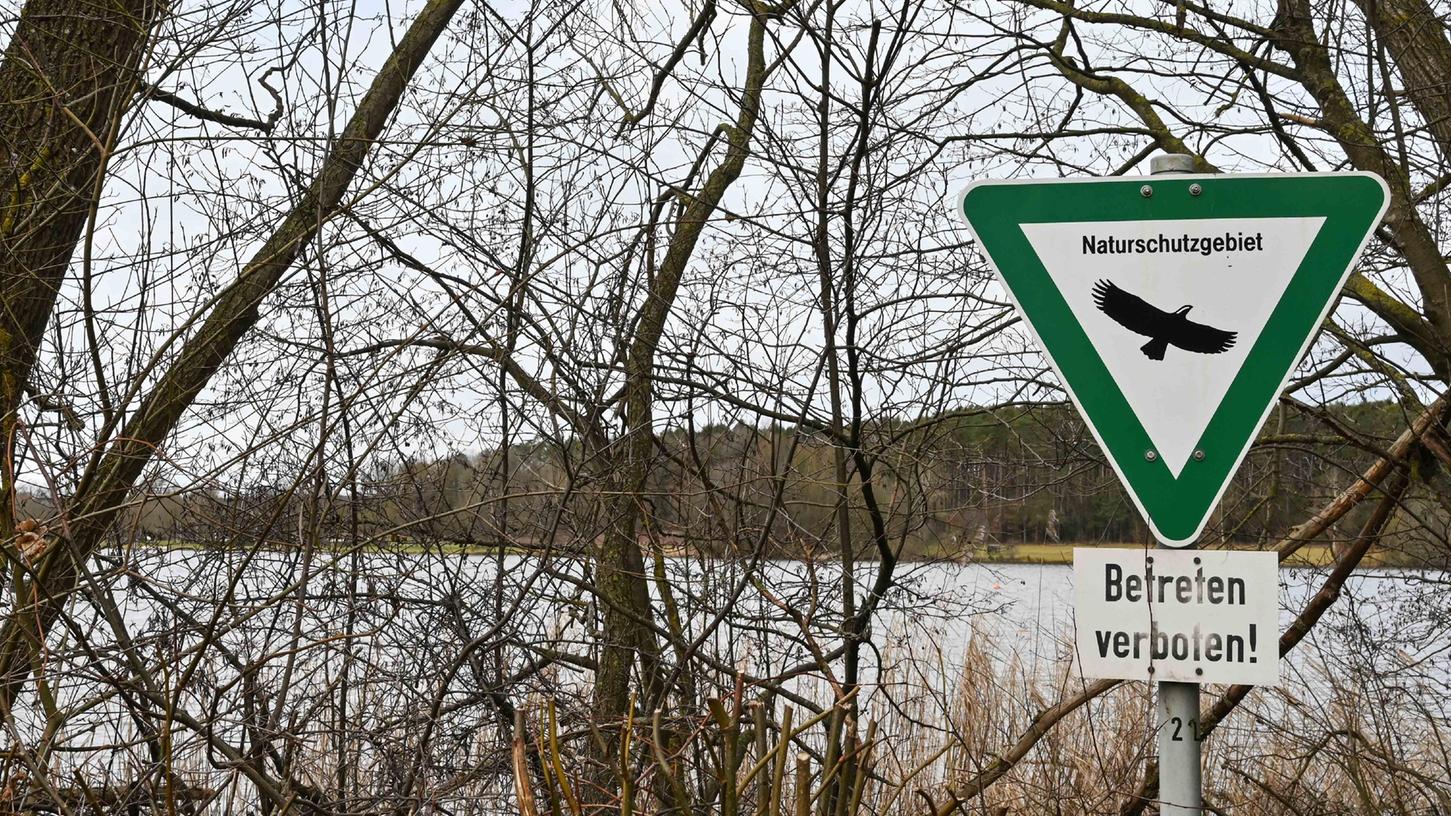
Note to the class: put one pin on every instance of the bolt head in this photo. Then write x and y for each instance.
(1146, 191)
(1199, 456)
(1196, 189)
(1151, 455)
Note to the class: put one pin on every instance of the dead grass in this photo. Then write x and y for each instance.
(1347, 748)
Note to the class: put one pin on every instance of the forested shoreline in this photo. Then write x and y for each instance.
(991, 479)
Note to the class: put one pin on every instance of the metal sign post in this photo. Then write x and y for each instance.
(1174, 312)
(1181, 784)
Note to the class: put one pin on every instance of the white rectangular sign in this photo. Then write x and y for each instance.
(1195, 616)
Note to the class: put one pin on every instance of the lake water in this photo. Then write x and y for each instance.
(275, 642)
(1394, 622)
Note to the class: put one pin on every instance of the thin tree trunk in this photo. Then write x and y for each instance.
(621, 585)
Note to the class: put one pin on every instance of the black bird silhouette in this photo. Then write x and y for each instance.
(1161, 327)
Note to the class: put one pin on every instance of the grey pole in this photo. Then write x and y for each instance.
(1180, 785)
(1171, 163)
(1181, 791)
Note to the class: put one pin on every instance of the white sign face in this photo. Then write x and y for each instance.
(1123, 279)
(1195, 616)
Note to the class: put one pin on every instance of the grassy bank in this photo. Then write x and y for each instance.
(1311, 555)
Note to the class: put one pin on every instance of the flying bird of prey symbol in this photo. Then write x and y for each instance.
(1162, 328)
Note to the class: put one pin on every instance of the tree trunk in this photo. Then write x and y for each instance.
(110, 479)
(1417, 41)
(1296, 35)
(67, 79)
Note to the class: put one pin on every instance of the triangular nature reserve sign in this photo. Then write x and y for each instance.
(1174, 308)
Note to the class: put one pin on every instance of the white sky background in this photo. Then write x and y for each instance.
(188, 202)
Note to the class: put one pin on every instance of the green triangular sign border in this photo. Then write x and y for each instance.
(1176, 509)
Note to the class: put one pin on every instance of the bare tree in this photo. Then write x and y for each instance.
(570, 407)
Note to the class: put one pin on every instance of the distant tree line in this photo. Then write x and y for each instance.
(982, 479)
